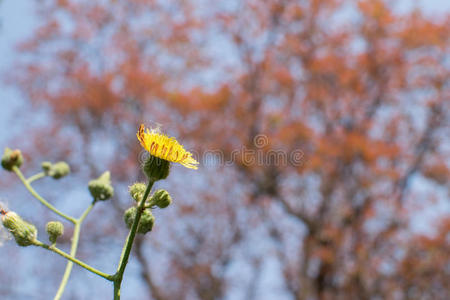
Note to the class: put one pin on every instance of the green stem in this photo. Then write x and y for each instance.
(73, 259)
(36, 177)
(129, 243)
(73, 251)
(37, 196)
(116, 290)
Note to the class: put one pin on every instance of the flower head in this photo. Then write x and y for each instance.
(164, 147)
(25, 233)
(4, 233)
(11, 158)
(145, 223)
(54, 230)
(161, 198)
(101, 188)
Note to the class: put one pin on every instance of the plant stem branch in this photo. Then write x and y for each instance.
(129, 243)
(73, 259)
(37, 196)
(73, 251)
(36, 177)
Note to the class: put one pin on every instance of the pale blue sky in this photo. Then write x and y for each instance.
(17, 22)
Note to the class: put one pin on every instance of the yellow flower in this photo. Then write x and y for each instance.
(164, 147)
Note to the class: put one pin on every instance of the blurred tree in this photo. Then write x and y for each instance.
(424, 268)
(344, 106)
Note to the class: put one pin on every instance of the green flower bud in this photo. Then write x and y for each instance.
(137, 191)
(156, 168)
(101, 188)
(57, 171)
(161, 198)
(11, 158)
(145, 223)
(54, 230)
(46, 166)
(24, 233)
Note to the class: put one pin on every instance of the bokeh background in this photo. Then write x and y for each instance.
(321, 127)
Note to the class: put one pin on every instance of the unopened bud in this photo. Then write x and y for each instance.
(24, 233)
(161, 198)
(57, 170)
(145, 223)
(137, 191)
(101, 188)
(11, 158)
(46, 166)
(156, 168)
(54, 230)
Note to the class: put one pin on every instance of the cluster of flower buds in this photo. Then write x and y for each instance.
(57, 170)
(11, 158)
(161, 199)
(101, 188)
(145, 223)
(24, 233)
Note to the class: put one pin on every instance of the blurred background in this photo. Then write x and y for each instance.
(321, 127)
